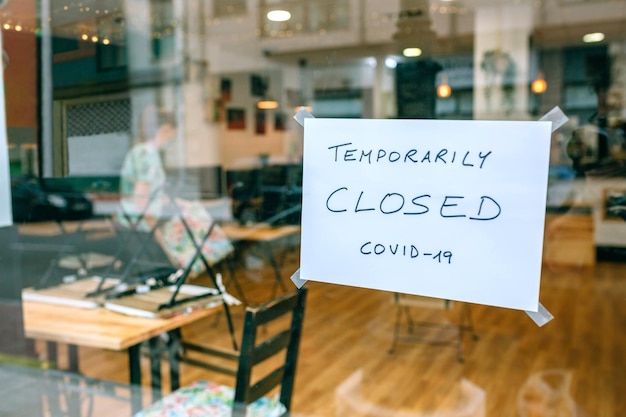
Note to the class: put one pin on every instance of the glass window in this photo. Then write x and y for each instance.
(152, 179)
(229, 8)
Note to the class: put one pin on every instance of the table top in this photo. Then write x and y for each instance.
(51, 228)
(98, 327)
(260, 232)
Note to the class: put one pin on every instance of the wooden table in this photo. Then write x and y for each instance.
(101, 328)
(52, 228)
(260, 232)
(266, 236)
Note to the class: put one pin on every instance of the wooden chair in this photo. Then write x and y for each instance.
(404, 302)
(269, 347)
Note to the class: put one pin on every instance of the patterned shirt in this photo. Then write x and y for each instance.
(141, 164)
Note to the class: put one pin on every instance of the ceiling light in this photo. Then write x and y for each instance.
(391, 63)
(593, 37)
(539, 85)
(304, 107)
(443, 89)
(412, 52)
(278, 15)
(267, 104)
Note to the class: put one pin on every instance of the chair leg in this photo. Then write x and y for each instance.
(409, 319)
(235, 281)
(396, 329)
(466, 324)
(239, 410)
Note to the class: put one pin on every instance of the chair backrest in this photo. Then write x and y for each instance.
(262, 340)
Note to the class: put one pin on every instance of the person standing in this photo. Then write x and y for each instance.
(143, 177)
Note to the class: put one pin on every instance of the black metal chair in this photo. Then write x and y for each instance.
(269, 346)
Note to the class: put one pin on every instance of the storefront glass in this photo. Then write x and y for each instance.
(194, 101)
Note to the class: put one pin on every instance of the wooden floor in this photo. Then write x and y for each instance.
(573, 366)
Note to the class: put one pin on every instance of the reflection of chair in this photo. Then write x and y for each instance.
(137, 250)
(32, 391)
(78, 255)
(349, 401)
(276, 352)
(547, 394)
(431, 332)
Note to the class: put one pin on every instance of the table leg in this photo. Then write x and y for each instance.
(173, 347)
(135, 377)
(155, 363)
(72, 356)
(230, 262)
(269, 254)
(52, 354)
(53, 359)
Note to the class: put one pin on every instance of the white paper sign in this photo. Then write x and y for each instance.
(446, 209)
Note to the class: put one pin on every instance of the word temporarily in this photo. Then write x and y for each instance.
(369, 248)
(344, 153)
(341, 199)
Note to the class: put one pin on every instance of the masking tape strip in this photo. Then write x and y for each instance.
(558, 119)
(556, 116)
(295, 278)
(299, 117)
(541, 316)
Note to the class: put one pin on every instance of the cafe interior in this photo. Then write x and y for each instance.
(165, 252)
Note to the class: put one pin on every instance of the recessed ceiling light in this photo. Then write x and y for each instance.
(278, 15)
(371, 61)
(593, 37)
(267, 104)
(411, 52)
(391, 63)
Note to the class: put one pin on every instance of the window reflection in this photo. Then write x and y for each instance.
(78, 74)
